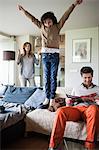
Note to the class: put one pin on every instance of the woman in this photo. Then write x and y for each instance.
(26, 59)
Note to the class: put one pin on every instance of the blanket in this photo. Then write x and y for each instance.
(11, 114)
(56, 103)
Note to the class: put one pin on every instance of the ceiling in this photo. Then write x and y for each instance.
(13, 22)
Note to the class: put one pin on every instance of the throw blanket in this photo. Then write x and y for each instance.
(12, 114)
(57, 102)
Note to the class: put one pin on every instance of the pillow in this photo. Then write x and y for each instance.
(18, 94)
(36, 99)
(3, 89)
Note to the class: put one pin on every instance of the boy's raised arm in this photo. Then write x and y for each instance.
(68, 12)
(31, 17)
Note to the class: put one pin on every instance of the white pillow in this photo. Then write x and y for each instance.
(35, 99)
(3, 88)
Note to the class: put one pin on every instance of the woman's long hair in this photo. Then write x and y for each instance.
(30, 51)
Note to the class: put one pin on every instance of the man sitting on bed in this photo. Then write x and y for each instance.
(87, 110)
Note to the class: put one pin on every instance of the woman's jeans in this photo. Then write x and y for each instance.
(50, 68)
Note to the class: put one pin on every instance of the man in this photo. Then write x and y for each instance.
(85, 111)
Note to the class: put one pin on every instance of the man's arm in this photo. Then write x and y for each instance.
(67, 13)
(31, 17)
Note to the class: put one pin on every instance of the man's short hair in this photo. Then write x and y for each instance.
(86, 70)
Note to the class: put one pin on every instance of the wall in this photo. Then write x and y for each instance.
(7, 75)
(72, 75)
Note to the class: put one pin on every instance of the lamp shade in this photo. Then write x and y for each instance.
(8, 55)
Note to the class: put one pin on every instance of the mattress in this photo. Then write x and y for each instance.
(41, 121)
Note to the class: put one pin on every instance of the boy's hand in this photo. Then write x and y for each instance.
(79, 1)
(20, 7)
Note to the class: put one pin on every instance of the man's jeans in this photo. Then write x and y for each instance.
(50, 68)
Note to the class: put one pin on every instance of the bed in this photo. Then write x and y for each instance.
(17, 102)
(11, 121)
(41, 121)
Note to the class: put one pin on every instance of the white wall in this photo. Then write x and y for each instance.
(72, 74)
(7, 44)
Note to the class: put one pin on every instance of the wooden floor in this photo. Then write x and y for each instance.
(40, 142)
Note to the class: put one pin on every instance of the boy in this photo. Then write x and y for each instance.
(50, 30)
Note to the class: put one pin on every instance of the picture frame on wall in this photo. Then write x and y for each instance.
(81, 50)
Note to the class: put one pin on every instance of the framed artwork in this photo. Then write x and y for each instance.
(81, 50)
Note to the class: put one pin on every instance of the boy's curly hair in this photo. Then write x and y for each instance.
(49, 15)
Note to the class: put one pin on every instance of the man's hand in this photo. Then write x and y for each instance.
(90, 97)
(97, 101)
(69, 101)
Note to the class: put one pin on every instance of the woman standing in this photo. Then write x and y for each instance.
(26, 60)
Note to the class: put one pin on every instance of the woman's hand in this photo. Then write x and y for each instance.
(21, 52)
